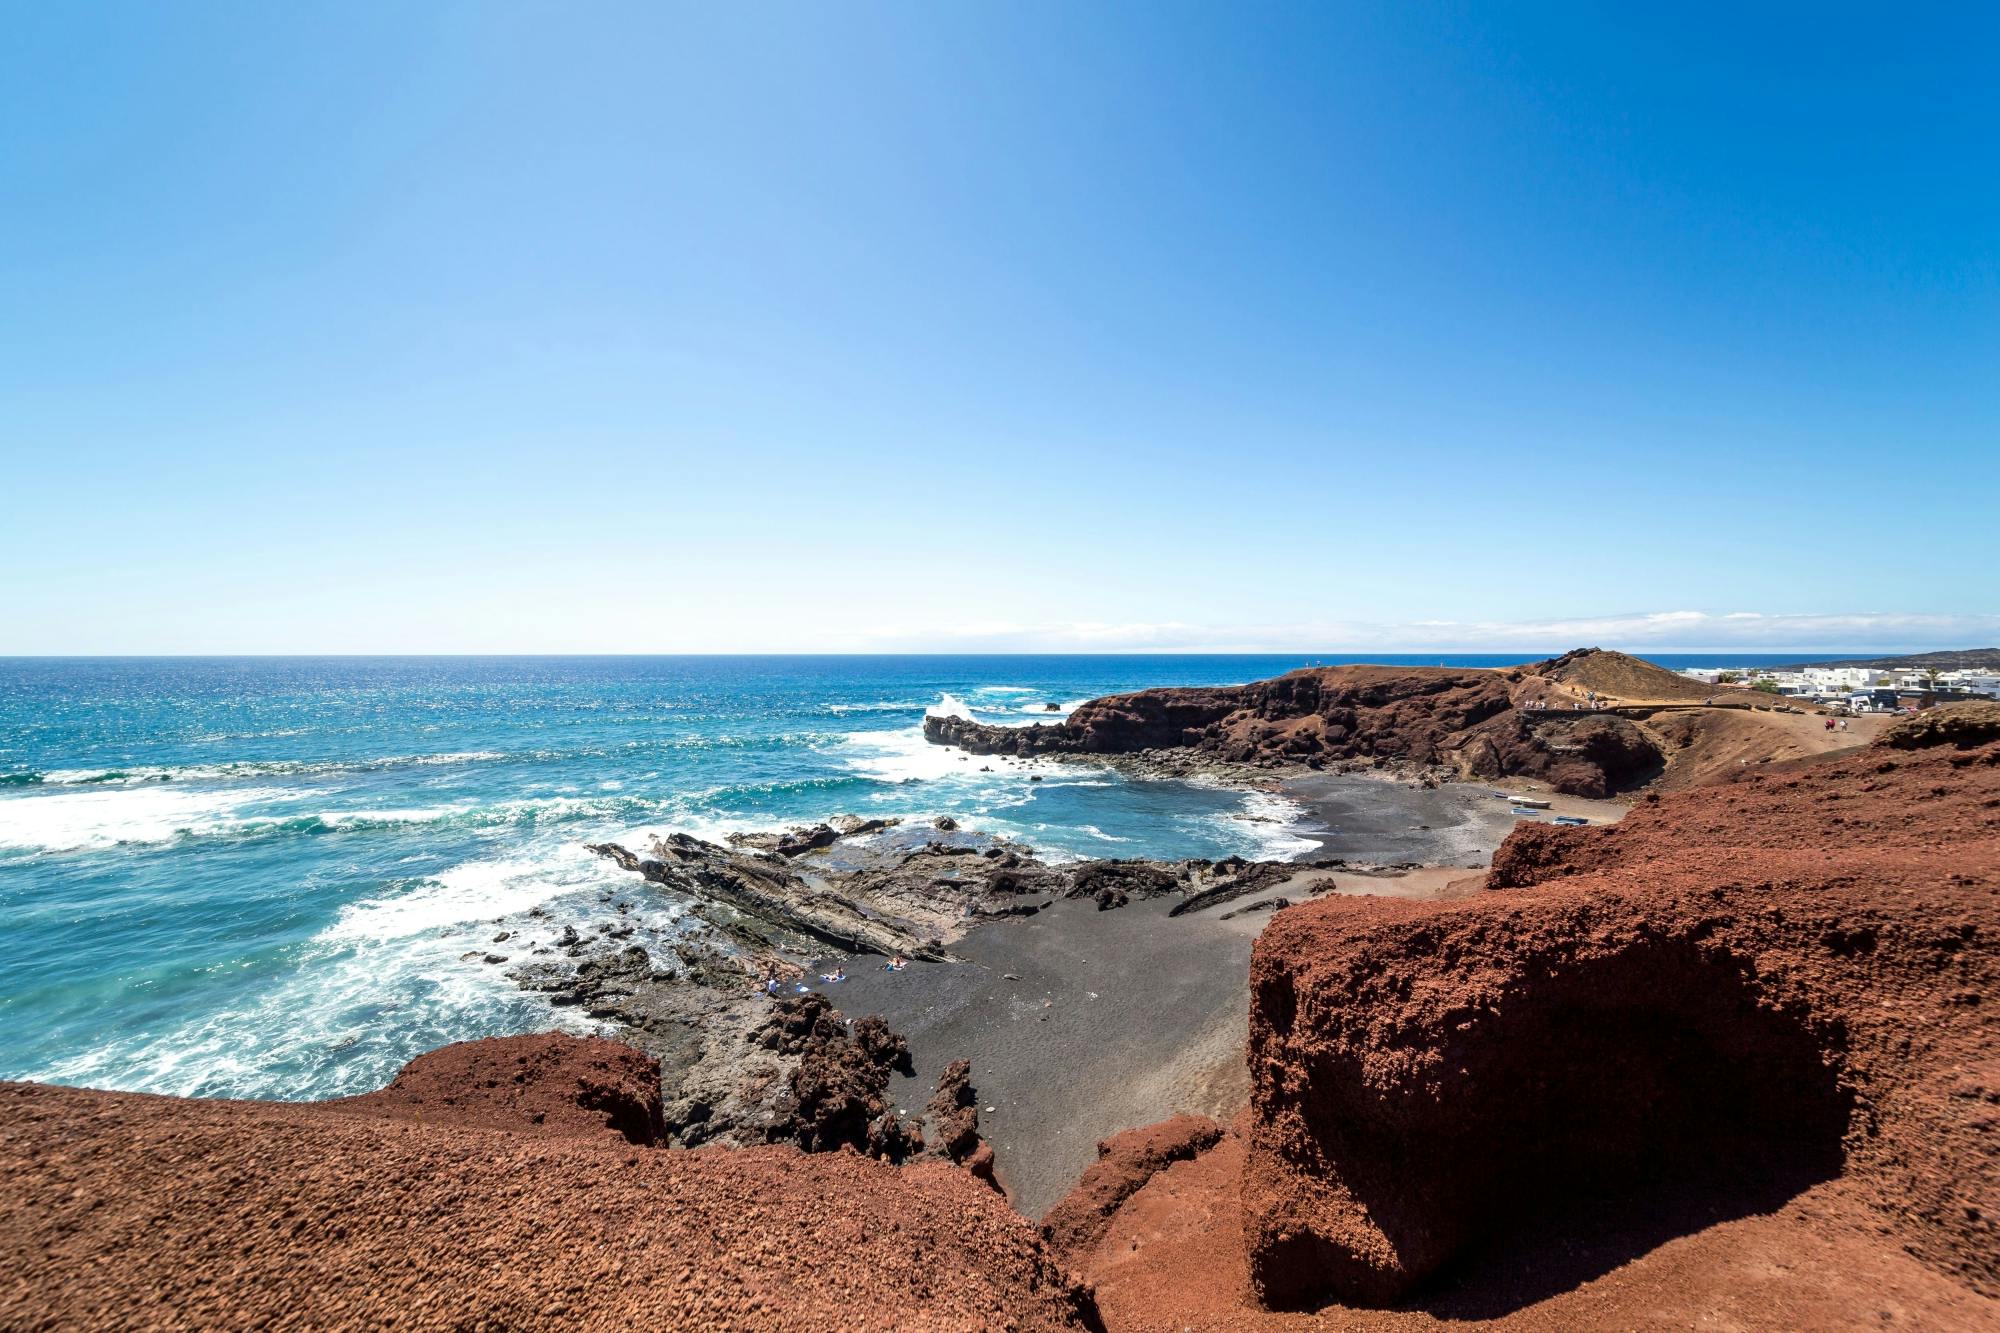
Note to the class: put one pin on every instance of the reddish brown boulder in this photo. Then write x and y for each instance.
(582, 1087)
(1125, 1162)
(1738, 991)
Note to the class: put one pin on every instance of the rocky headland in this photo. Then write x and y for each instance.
(1589, 723)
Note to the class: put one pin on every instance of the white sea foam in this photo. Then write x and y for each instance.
(474, 891)
(1274, 825)
(80, 820)
(388, 979)
(949, 706)
(1005, 689)
(890, 707)
(92, 820)
(904, 755)
(341, 1020)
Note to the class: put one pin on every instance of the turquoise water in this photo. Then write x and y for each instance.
(255, 877)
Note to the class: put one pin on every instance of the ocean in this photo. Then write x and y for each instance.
(255, 877)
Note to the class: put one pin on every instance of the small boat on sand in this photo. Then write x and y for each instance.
(1527, 803)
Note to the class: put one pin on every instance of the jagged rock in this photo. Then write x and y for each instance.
(836, 1090)
(954, 1111)
(772, 893)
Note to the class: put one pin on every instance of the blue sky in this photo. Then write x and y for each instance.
(493, 327)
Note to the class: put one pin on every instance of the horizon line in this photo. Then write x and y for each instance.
(1429, 651)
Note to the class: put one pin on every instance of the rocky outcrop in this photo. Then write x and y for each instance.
(771, 892)
(1963, 725)
(954, 1113)
(576, 1087)
(835, 1097)
(804, 838)
(1736, 992)
(1340, 712)
(1579, 754)
(429, 1206)
(1469, 720)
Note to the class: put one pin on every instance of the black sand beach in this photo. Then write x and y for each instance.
(1081, 1023)
(1457, 823)
(1078, 1023)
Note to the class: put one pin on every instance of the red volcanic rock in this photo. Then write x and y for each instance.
(1580, 754)
(580, 1087)
(1408, 715)
(1961, 724)
(1737, 992)
(410, 1209)
(1125, 1162)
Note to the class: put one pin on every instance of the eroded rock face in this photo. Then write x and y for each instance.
(1963, 725)
(1740, 989)
(1580, 754)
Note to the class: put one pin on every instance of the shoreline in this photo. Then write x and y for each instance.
(1130, 978)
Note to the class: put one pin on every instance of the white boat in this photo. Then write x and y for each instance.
(1527, 803)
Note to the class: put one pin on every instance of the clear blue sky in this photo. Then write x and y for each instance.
(495, 327)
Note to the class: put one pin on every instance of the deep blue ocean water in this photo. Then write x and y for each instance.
(256, 876)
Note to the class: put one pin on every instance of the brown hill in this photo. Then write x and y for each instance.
(1620, 676)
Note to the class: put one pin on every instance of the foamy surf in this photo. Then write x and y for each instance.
(1273, 826)
(474, 891)
(81, 820)
(144, 774)
(342, 1022)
